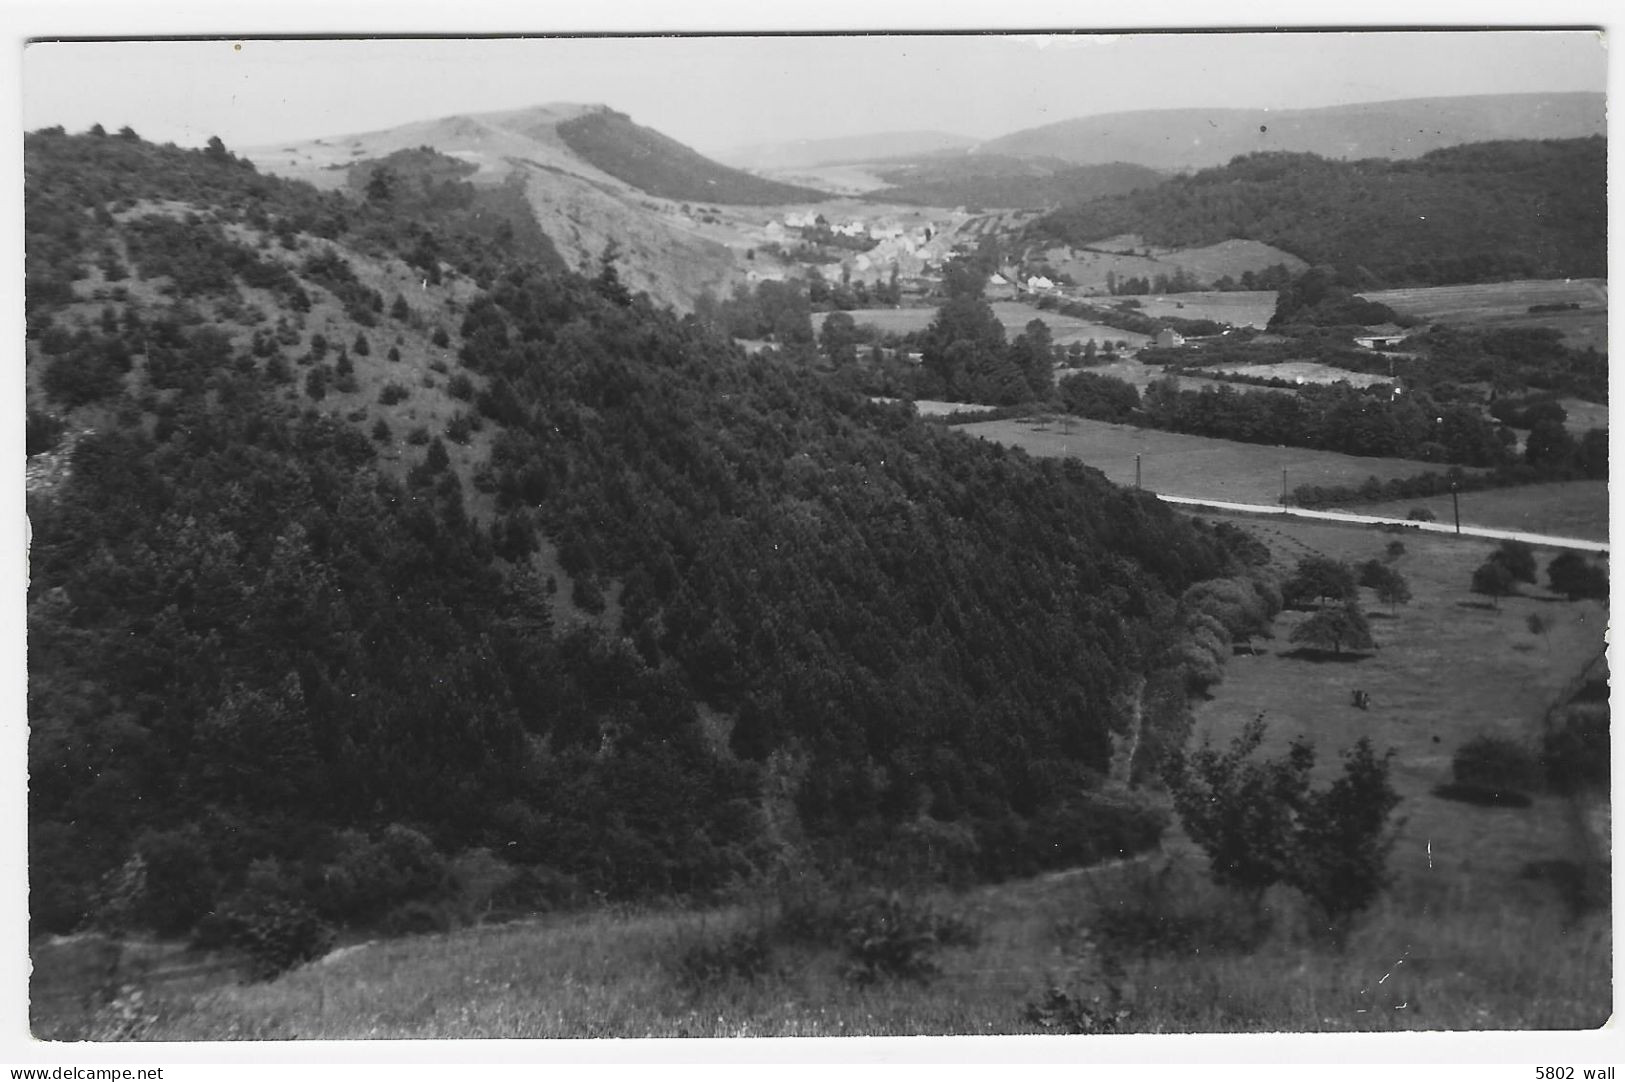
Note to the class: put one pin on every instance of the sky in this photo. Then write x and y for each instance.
(715, 93)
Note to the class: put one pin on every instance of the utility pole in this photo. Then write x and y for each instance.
(1136, 470)
(1283, 486)
(1455, 504)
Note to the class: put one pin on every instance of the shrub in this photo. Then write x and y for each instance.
(1343, 625)
(1575, 577)
(393, 393)
(460, 428)
(418, 436)
(1495, 763)
(1518, 558)
(440, 337)
(1575, 750)
(419, 918)
(1482, 795)
(460, 386)
(1494, 579)
(894, 937)
(366, 878)
(180, 882)
(277, 934)
(1089, 996)
(42, 433)
(1167, 912)
(739, 956)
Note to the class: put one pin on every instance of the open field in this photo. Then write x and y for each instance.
(1241, 309)
(1463, 939)
(1584, 415)
(1565, 509)
(1130, 257)
(1013, 315)
(1301, 372)
(1194, 466)
(1506, 304)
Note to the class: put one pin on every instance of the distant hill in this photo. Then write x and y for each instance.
(662, 166)
(1473, 213)
(1194, 138)
(581, 170)
(985, 180)
(882, 146)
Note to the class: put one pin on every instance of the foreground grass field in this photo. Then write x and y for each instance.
(1464, 939)
(1194, 466)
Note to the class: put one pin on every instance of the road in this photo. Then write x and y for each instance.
(1371, 520)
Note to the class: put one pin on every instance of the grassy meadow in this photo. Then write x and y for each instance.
(1505, 304)
(1240, 308)
(1466, 938)
(1194, 466)
(1560, 508)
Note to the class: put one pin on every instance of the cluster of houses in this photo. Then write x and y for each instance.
(796, 221)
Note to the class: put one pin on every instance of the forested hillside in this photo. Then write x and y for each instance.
(987, 180)
(625, 611)
(1469, 213)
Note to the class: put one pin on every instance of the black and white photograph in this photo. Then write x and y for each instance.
(815, 535)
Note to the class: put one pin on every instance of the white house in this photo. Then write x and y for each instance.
(1382, 336)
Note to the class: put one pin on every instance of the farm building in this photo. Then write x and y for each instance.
(1382, 336)
(1168, 338)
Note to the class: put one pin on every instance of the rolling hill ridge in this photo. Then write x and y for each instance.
(589, 175)
(1194, 138)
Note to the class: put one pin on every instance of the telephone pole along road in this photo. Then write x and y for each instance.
(1372, 520)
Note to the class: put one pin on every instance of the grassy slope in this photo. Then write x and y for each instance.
(1493, 305)
(666, 168)
(1461, 941)
(1563, 509)
(1197, 466)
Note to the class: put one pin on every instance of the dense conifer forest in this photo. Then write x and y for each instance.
(690, 616)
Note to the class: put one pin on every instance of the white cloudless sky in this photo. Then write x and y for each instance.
(718, 92)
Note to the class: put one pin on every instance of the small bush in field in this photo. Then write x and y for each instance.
(1090, 995)
(393, 393)
(1484, 796)
(1495, 763)
(894, 937)
(1164, 912)
(1575, 750)
(277, 934)
(745, 955)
